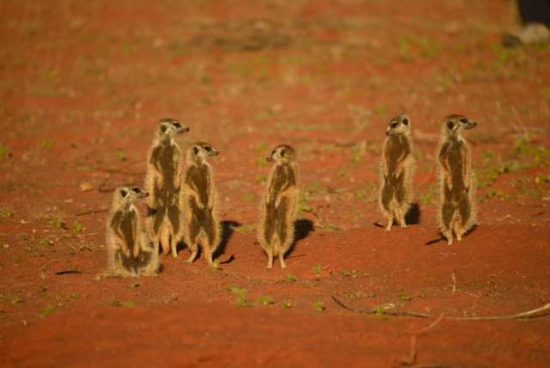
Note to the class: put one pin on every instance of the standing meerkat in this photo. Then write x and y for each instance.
(278, 207)
(129, 252)
(397, 171)
(200, 224)
(457, 211)
(164, 168)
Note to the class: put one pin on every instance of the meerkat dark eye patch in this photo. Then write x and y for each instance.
(196, 150)
(163, 128)
(464, 121)
(208, 148)
(177, 125)
(283, 152)
(136, 190)
(394, 125)
(450, 125)
(123, 193)
(406, 121)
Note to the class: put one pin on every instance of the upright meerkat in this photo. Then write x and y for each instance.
(164, 168)
(397, 171)
(200, 224)
(129, 252)
(278, 208)
(457, 212)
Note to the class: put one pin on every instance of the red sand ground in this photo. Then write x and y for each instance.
(81, 86)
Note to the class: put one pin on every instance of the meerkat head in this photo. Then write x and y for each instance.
(399, 124)
(169, 127)
(282, 154)
(201, 151)
(454, 124)
(125, 196)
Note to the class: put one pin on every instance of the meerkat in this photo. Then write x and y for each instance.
(129, 252)
(397, 171)
(200, 223)
(457, 212)
(164, 169)
(278, 207)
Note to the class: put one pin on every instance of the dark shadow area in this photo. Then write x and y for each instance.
(377, 224)
(435, 241)
(444, 239)
(227, 230)
(413, 214)
(302, 229)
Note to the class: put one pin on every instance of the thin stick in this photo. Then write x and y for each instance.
(427, 328)
(530, 314)
(92, 212)
(533, 313)
(385, 313)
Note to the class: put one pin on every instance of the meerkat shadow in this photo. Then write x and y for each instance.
(413, 215)
(227, 230)
(302, 229)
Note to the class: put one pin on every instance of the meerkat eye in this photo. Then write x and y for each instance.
(196, 150)
(177, 125)
(123, 193)
(163, 128)
(464, 121)
(136, 190)
(450, 125)
(283, 152)
(394, 125)
(208, 148)
(406, 121)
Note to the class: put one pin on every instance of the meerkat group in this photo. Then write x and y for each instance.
(182, 199)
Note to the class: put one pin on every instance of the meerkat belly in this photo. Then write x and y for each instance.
(394, 151)
(456, 164)
(127, 226)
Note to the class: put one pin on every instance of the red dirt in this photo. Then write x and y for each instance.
(82, 85)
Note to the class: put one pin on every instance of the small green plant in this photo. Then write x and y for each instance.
(47, 144)
(121, 156)
(6, 213)
(123, 304)
(404, 297)
(266, 300)
(4, 152)
(246, 229)
(249, 197)
(287, 304)
(58, 223)
(290, 279)
(48, 311)
(241, 296)
(303, 202)
(319, 306)
(317, 271)
(77, 228)
(47, 241)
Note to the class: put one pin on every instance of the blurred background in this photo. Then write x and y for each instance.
(83, 83)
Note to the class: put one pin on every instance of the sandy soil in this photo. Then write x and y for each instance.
(82, 85)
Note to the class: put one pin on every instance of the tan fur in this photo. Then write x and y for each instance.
(164, 169)
(457, 212)
(200, 224)
(129, 252)
(397, 167)
(278, 207)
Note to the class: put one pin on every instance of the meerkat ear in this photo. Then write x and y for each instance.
(123, 193)
(196, 150)
(450, 125)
